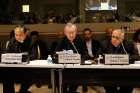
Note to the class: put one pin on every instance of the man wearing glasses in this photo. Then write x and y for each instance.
(117, 45)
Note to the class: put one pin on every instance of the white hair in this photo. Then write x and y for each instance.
(70, 25)
(121, 31)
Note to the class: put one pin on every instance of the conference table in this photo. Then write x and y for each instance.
(28, 72)
(104, 75)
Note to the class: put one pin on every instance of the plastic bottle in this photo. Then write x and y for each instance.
(99, 59)
(49, 59)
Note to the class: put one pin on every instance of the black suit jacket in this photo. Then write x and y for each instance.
(42, 47)
(16, 47)
(65, 44)
(124, 48)
(95, 48)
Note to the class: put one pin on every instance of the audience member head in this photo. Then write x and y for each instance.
(70, 31)
(34, 35)
(20, 33)
(87, 34)
(60, 34)
(136, 36)
(50, 21)
(108, 32)
(117, 37)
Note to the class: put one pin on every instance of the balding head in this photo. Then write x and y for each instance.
(70, 31)
(117, 37)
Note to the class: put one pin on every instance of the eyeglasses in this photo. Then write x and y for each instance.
(116, 37)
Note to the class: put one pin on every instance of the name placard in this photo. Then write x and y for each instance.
(11, 58)
(116, 59)
(69, 58)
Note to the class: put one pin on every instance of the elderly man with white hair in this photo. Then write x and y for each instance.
(72, 41)
(118, 45)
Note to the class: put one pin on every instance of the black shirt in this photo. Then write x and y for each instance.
(16, 47)
(65, 44)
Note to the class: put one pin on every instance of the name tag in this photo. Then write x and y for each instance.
(14, 57)
(69, 58)
(116, 59)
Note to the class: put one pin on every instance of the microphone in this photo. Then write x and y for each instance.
(74, 47)
(124, 48)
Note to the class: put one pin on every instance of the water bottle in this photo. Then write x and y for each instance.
(49, 59)
(99, 59)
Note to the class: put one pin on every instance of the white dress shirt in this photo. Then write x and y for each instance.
(89, 47)
(138, 47)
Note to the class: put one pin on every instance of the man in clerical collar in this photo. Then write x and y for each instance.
(117, 45)
(71, 41)
(20, 43)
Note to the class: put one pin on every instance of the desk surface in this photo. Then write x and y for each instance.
(102, 66)
(32, 66)
(74, 66)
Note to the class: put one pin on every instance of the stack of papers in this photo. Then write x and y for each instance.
(137, 62)
(88, 62)
(38, 62)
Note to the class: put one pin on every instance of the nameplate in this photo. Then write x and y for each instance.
(11, 58)
(116, 59)
(69, 58)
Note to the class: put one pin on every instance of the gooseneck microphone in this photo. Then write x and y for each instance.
(74, 47)
(124, 48)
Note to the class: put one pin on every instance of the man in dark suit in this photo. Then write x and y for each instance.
(39, 49)
(117, 45)
(71, 41)
(92, 45)
(19, 44)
